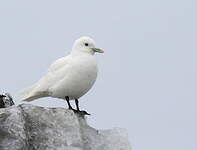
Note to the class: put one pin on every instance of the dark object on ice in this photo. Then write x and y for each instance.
(6, 100)
(2, 105)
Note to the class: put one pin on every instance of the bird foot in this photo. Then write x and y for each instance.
(80, 112)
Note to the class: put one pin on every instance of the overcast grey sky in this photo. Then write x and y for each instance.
(147, 78)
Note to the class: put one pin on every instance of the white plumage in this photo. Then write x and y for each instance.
(71, 76)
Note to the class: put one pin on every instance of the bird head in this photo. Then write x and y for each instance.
(86, 45)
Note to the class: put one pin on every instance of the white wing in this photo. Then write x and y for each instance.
(58, 64)
(40, 89)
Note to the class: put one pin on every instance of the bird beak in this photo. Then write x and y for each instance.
(98, 50)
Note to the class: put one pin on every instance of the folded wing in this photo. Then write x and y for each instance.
(41, 88)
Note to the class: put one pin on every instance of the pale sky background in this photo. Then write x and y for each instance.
(147, 78)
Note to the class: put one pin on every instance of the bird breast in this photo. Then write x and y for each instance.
(80, 76)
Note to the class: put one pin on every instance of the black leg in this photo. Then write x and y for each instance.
(82, 113)
(68, 102)
(77, 104)
(79, 111)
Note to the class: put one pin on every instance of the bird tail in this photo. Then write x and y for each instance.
(30, 94)
(32, 97)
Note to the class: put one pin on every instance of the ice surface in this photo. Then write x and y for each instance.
(28, 127)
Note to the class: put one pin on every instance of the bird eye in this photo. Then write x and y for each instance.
(86, 44)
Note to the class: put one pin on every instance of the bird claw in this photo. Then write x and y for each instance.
(83, 112)
(80, 112)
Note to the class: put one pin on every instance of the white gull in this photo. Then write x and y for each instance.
(69, 77)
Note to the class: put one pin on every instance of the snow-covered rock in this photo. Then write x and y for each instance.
(28, 127)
